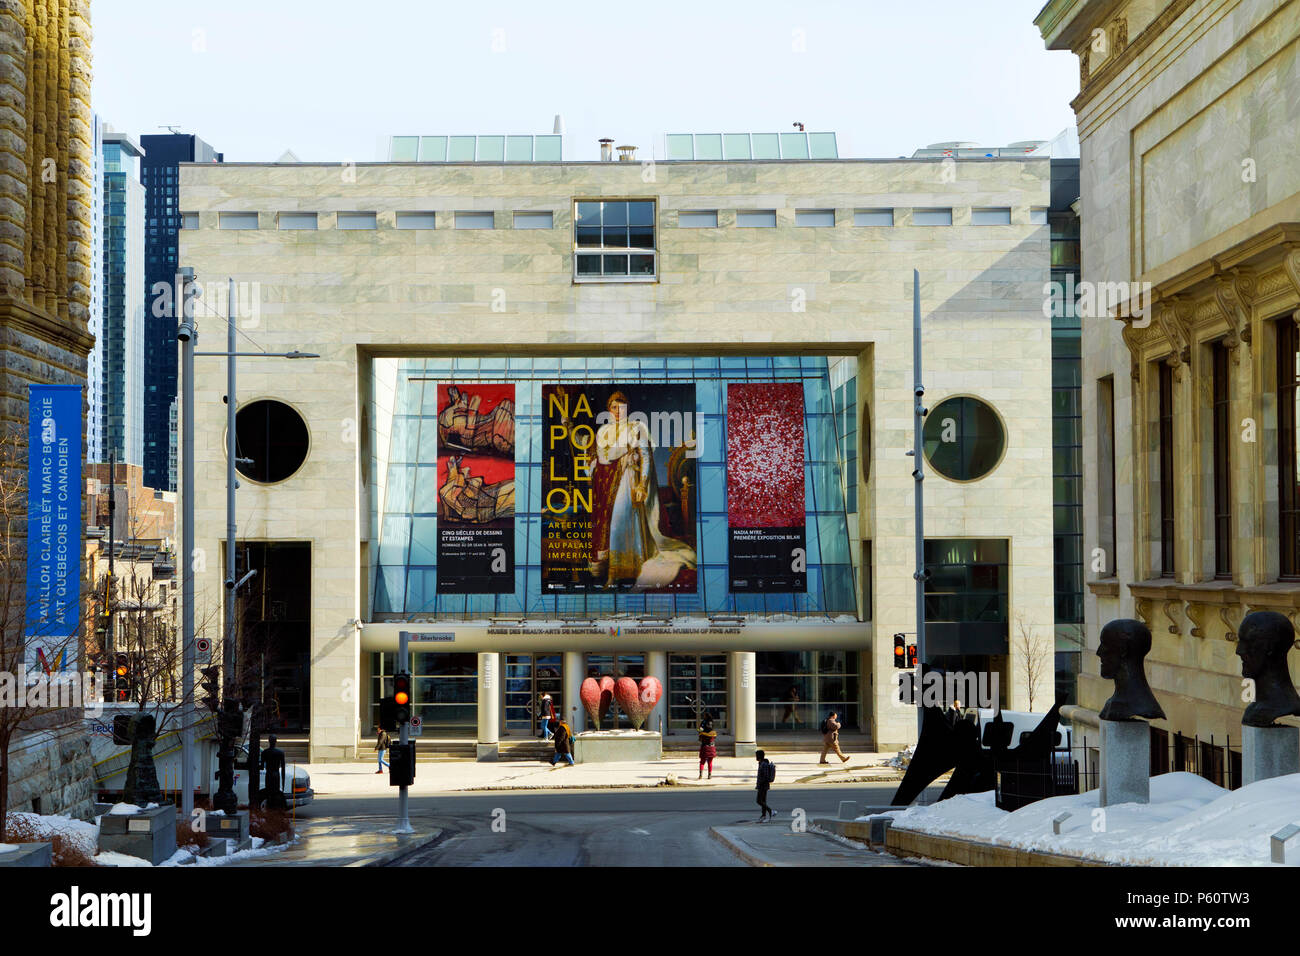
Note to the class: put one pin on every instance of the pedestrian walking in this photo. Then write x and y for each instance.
(831, 738)
(563, 743)
(382, 743)
(708, 744)
(791, 715)
(766, 774)
(545, 714)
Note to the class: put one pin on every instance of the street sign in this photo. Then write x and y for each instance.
(203, 645)
(416, 724)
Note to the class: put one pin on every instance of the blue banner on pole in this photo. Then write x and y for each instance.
(54, 546)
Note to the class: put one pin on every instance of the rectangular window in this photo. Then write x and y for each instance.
(238, 220)
(698, 219)
(1222, 421)
(356, 220)
(534, 220)
(756, 218)
(1288, 503)
(474, 220)
(297, 220)
(815, 218)
(1106, 474)
(415, 220)
(1038, 217)
(990, 217)
(1166, 428)
(614, 240)
(932, 217)
(189, 220)
(873, 217)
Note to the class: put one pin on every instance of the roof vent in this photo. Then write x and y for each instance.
(626, 154)
(606, 150)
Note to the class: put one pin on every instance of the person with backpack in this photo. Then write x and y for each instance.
(766, 774)
(563, 743)
(708, 744)
(545, 714)
(831, 738)
(382, 743)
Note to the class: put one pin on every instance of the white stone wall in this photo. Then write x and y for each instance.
(347, 294)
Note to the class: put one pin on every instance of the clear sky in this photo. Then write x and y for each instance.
(330, 79)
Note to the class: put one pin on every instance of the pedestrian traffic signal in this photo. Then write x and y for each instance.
(402, 697)
(401, 765)
(900, 651)
(211, 688)
(911, 655)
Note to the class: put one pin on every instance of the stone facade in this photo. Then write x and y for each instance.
(351, 295)
(1187, 122)
(46, 191)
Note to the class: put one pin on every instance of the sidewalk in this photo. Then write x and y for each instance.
(337, 841)
(776, 844)
(443, 776)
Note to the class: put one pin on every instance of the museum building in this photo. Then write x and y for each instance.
(626, 417)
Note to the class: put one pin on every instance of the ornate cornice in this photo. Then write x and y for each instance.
(23, 316)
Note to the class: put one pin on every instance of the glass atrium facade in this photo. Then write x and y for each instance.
(404, 549)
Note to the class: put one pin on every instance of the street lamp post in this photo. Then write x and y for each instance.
(225, 798)
(186, 334)
(918, 473)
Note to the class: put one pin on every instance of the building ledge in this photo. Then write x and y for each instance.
(1104, 587)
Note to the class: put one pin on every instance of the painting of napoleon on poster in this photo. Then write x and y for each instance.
(619, 488)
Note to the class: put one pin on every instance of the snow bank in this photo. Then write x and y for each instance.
(1189, 822)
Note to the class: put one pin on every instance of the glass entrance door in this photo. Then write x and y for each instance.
(528, 677)
(696, 683)
(616, 666)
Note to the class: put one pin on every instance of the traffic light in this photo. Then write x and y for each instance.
(911, 655)
(122, 676)
(387, 714)
(402, 697)
(900, 651)
(211, 685)
(401, 765)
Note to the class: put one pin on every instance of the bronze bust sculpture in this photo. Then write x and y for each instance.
(1263, 641)
(1124, 644)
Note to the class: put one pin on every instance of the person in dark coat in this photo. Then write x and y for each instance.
(563, 742)
(765, 774)
(708, 744)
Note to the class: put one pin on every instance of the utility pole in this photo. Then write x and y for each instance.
(404, 733)
(111, 590)
(187, 334)
(918, 473)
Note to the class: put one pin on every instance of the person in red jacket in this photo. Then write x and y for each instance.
(708, 744)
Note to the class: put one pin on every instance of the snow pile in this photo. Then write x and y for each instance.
(123, 810)
(618, 733)
(82, 833)
(1189, 822)
(902, 758)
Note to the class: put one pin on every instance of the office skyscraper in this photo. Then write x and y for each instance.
(161, 173)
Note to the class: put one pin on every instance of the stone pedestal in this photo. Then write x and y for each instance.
(231, 826)
(28, 854)
(1269, 752)
(1125, 762)
(617, 746)
(149, 834)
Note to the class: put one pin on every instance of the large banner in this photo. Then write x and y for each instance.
(767, 549)
(618, 488)
(54, 538)
(476, 489)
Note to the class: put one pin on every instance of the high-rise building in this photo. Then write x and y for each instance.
(95, 322)
(164, 153)
(120, 347)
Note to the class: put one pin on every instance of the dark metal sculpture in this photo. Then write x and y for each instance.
(1124, 644)
(141, 786)
(230, 723)
(1263, 641)
(273, 761)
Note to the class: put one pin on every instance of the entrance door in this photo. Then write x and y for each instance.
(616, 666)
(696, 683)
(528, 677)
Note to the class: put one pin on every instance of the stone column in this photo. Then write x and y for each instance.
(489, 706)
(656, 665)
(743, 707)
(572, 702)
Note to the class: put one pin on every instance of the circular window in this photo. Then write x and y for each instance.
(964, 438)
(272, 438)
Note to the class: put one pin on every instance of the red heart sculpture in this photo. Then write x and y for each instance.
(637, 700)
(596, 697)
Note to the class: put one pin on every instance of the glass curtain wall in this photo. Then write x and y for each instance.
(444, 691)
(405, 573)
(797, 689)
